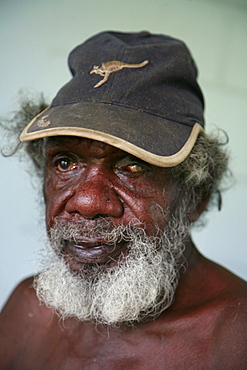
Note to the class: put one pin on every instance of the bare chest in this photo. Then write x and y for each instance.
(147, 347)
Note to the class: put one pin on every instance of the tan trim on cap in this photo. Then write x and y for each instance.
(157, 160)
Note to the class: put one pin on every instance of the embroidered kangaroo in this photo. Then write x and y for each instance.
(114, 66)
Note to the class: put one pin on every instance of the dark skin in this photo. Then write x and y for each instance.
(205, 327)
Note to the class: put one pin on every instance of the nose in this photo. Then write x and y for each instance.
(95, 196)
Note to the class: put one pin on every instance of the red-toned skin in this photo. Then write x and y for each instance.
(205, 327)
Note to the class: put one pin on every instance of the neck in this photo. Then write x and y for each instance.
(189, 276)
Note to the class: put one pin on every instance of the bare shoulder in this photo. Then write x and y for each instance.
(231, 328)
(20, 315)
(221, 288)
(22, 304)
(23, 289)
(223, 284)
(19, 305)
(223, 309)
(208, 318)
(230, 331)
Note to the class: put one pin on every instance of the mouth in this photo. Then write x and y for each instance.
(92, 252)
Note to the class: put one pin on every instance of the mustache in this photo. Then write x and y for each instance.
(99, 229)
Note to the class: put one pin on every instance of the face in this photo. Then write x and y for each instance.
(87, 181)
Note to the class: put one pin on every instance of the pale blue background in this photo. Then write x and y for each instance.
(35, 39)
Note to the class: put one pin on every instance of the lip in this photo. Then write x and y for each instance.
(92, 252)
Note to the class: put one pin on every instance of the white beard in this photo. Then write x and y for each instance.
(139, 287)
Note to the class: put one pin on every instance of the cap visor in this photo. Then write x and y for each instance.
(152, 138)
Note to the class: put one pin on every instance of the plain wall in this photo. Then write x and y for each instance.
(35, 39)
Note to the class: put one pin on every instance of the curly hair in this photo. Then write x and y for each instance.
(16, 124)
(199, 176)
(203, 174)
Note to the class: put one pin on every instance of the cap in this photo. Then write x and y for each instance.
(135, 91)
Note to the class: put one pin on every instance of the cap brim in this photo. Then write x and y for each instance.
(149, 137)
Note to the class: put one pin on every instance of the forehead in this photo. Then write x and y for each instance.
(83, 145)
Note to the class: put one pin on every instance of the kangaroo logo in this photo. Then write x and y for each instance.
(114, 66)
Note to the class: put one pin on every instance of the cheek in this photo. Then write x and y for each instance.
(159, 208)
(56, 198)
(151, 209)
(50, 201)
(158, 215)
(155, 215)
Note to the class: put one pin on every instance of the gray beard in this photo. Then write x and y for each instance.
(139, 287)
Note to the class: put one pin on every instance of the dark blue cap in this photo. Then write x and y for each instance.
(135, 91)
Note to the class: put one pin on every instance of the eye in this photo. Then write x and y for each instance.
(65, 164)
(132, 165)
(134, 168)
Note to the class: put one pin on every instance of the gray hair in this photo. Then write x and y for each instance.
(204, 173)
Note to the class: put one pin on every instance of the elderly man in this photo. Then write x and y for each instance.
(127, 170)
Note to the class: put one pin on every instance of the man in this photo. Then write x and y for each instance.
(128, 169)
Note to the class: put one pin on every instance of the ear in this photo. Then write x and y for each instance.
(201, 207)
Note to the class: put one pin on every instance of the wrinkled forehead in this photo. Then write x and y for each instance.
(78, 144)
